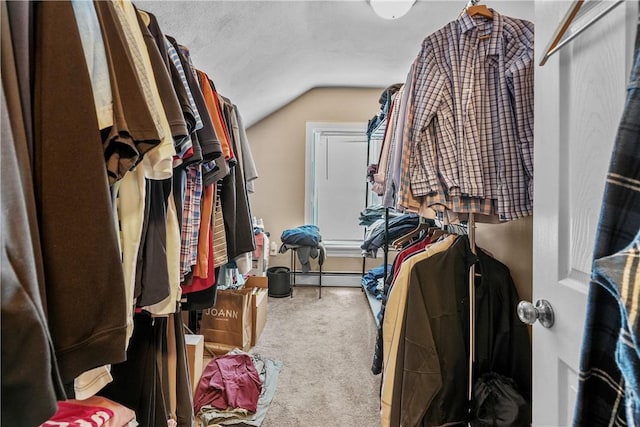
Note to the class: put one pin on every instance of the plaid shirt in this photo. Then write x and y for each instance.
(190, 220)
(608, 392)
(406, 199)
(473, 87)
(620, 275)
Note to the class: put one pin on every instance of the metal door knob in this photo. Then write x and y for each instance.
(542, 311)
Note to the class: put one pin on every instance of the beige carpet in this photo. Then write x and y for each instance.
(326, 346)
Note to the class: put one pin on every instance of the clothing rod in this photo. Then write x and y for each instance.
(472, 303)
(386, 243)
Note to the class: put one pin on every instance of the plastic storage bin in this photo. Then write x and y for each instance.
(279, 281)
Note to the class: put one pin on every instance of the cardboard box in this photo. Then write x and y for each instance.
(259, 305)
(195, 357)
(218, 349)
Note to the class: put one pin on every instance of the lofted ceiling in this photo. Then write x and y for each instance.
(264, 54)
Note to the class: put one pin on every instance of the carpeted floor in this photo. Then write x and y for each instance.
(326, 346)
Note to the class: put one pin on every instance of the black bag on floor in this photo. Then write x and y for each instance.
(497, 402)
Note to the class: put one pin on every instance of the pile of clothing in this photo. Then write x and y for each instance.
(373, 213)
(398, 226)
(373, 281)
(307, 242)
(236, 388)
(95, 411)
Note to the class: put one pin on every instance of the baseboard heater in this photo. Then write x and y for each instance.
(336, 278)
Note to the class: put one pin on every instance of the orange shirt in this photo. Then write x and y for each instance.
(211, 99)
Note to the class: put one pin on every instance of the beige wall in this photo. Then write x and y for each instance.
(512, 244)
(278, 146)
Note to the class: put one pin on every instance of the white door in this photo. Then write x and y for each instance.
(579, 98)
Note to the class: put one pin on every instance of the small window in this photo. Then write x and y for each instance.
(336, 187)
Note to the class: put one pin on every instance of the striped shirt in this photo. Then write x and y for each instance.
(175, 59)
(473, 87)
(190, 220)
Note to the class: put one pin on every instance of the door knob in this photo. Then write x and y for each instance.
(542, 311)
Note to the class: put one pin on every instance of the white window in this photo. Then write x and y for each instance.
(336, 186)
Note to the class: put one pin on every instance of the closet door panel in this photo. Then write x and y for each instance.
(579, 97)
(594, 91)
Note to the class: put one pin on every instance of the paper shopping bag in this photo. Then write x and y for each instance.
(229, 321)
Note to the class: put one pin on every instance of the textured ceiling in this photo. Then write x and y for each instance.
(264, 54)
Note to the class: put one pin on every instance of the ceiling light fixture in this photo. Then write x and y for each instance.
(391, 9)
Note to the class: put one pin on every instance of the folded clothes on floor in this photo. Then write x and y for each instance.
(268, 372)
(229, 381)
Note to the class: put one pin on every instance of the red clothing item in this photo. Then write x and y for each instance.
(70, 414)
(416, 247)
(259, 245)
(121, 414)
(229, 381)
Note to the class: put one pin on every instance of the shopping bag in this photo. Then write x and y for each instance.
(229, 322)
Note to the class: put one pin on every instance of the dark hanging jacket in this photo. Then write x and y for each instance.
(432, 375)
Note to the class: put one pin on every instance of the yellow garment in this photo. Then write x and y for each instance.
(131, 200)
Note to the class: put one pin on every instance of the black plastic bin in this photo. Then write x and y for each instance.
(279, 281)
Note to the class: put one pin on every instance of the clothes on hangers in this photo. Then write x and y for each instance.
(30, 376)
(467, 136)
(139, 214)
(410, 250)
(392, 325)
(424, 330)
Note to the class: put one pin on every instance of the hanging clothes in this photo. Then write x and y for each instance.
(467, 110)
(392, 325)
(425, 327)
(130, 106)
(72, 231)
(30, 377)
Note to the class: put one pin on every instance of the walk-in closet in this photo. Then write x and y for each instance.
(395, 213)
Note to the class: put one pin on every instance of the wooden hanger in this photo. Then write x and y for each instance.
(479, 10)
(575, 21)
(435, 233)
(404, 239)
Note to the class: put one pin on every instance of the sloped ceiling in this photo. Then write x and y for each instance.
(264, 54)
